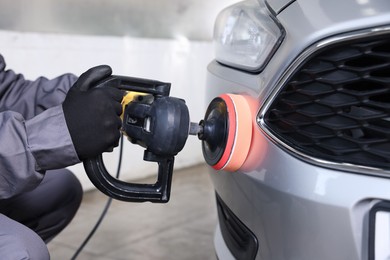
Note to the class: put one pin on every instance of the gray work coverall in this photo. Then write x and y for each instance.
(36, 202)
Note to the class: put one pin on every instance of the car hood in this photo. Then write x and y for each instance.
(278, 5)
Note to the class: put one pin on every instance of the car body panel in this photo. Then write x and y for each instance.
(278, 5)
(285, 193)
(298, 210)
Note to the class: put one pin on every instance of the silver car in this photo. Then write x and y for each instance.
(314, 182)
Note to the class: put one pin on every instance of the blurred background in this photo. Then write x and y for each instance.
(166, 40)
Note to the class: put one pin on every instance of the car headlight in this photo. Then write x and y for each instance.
(246, 35)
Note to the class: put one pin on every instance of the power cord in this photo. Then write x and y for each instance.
(105, 209)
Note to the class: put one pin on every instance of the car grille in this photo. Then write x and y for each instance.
(336, 106)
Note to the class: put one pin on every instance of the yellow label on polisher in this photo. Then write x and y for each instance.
(130, 96)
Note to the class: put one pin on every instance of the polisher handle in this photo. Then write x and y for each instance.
(132, 192)
(154, 87)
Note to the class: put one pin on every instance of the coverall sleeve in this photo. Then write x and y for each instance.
(33, 132)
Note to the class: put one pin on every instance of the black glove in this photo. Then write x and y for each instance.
(93, 114)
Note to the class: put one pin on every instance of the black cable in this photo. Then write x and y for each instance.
(105, 209)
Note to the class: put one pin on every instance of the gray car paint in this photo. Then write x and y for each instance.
(278, 5)
(298, 210)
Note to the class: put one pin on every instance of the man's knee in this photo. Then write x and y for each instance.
(66, 187)
(19, 242)
(17, 247)
(65, 193)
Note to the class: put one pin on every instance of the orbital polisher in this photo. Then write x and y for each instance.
(161, 124)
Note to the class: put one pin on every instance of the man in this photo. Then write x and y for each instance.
(46, 125)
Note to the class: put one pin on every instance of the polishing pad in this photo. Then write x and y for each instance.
(227, 132)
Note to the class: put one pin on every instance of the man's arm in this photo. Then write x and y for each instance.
(30, 98)
(29, 147)
(84, 125)
(33, 133)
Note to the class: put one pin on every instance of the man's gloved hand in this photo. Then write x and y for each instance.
(93, 114)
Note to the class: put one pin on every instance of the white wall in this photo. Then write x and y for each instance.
(181, 62)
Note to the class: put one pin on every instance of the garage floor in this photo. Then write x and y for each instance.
(181, 229)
